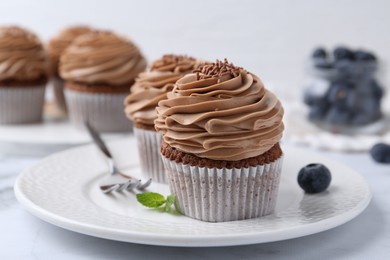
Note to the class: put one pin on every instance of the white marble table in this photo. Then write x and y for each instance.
(23, 236)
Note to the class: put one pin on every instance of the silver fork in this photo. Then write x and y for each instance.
(117, 181)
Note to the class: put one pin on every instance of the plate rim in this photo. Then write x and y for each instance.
(179, 240)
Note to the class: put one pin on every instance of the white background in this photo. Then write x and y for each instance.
(270, 38)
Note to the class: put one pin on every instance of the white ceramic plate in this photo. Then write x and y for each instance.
(53, 134)
(63, 190)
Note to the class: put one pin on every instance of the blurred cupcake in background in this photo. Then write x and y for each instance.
(98, 69)
(55, 48)
(151, 87)
(23, 76)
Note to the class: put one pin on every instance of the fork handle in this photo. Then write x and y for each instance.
(98, 140)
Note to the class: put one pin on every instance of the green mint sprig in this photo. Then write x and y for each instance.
(155, 200)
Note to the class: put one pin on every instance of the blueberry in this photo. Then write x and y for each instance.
(352, 100)
(376, 89)
(314, 178)
(341, 53)
(338, 115)
(317, 112)
(323, 64)
(318, 109)
(381, 153)
(339, 92)
(346, 68)
(364, 118)
(370, 105)
(319, 53)
(362, 55)
(311, 99)
(366, 107)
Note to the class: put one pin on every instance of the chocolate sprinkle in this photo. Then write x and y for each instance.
(168, 59)
(217, 69)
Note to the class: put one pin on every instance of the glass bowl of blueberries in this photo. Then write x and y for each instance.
(344, 95)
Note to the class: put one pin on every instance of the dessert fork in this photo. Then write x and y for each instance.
(117, 181)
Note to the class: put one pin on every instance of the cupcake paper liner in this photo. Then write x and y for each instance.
(217, 195)
(58, 91)
(21, 105)
(149, 154)
(104, 111)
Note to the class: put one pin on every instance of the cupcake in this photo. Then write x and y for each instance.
(149, 88)
(221, 130)
(55, 48)
(98, 69)
(23, 76)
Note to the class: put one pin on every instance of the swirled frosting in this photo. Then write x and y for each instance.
(59, 43)
(152, 86)
(101, 58)
(220, 112)
(22, 56)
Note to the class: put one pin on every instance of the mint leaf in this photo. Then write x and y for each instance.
(151, 199)
(169, 202)
(156, 201)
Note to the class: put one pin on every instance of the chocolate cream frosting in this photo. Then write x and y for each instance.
(152, 86)
(22, 57)
(101, 58)
(59, 43)
(220, 112)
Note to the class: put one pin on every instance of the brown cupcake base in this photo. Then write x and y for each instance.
(10, 83)
(98, 88)
(173, 154)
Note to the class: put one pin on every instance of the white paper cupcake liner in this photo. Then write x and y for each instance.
(149, 143)
(104, 111)
(58, 91)
(217, 195)
(21, 105)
